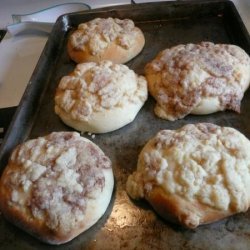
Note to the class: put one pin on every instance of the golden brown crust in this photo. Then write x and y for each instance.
(177, 210)
(100, 97)
(49, 191)
(194, 175)
(37, 228)
(198, 79)
(113, 51)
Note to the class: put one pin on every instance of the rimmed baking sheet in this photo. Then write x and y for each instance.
(129, 225)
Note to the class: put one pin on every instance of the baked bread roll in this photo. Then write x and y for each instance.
(105, 39)
(100, 97)
(194, 175)
(56, 187)
(198, 79)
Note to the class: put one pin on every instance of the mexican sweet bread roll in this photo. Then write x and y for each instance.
(198, 79)
(194, 175)
(105, 39)
(100, 97)
(56, 187)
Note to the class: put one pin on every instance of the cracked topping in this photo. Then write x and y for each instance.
(202, 162)
(96, 87)
(184, 75)
(97, 34)
(53, 177)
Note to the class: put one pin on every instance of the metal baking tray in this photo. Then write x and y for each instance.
(2, 34)
(127, 224)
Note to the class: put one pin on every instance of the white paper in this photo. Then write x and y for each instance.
(18, 58)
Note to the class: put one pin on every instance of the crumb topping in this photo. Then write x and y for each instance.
(183, 75)
(97, 34)
(56, 175)
(201, 162)
(96, 87)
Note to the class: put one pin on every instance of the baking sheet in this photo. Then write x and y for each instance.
(128, 224)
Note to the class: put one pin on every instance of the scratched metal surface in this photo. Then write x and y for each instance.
(127, 224)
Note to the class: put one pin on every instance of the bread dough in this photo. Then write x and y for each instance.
(56, 187)
(194, 175)
(198, 79)
(105, 39)
(100, 97)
